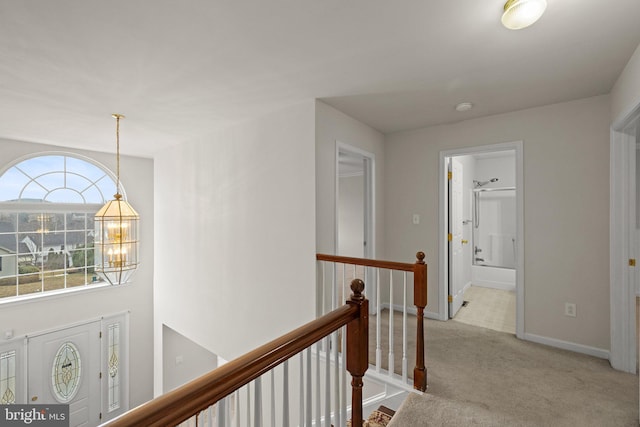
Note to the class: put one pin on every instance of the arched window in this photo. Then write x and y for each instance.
(47, 204)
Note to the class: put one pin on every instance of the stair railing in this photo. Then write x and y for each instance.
(332, 275)
(194, 402)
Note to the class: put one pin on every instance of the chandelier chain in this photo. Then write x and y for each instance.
(118, 117)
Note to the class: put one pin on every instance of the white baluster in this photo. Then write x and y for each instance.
(257, 406)
(336, 386)
(273, 398)
(322, 287)
(344, 281)
(285, 394)
(301, 389)
(343, 406)
(378, 325)
(221, 413)
(308, 394)
(238, 415)
(404, 332)
(248, 387)
(391, 325)
(318, 386)
(327, 383)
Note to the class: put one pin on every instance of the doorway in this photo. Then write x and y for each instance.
(84, 365)
(355, 219)
(624, 241)
(481, 237)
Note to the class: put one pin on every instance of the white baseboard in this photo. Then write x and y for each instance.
(467, 286)
(412, 310)
(566, 345)
(495, 285)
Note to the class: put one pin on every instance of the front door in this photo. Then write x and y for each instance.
(64, 367)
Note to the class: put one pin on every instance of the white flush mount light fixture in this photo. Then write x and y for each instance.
(520, 14)
(464, 106)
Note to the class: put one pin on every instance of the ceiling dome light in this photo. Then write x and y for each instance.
(520, 14)
(464, 106)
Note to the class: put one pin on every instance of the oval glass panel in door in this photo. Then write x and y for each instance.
(66, 372)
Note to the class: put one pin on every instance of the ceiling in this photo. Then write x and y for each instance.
(179, 70)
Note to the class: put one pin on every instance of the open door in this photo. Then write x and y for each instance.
(456, 258)
(355, 231)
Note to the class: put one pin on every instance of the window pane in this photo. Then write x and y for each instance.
(90, 171)
(93, 195)
(77, 277)
(7, 222)
(29, 283)
(107, 187)
(76, 221)
(51, 181)
(114, 366)
(37, 166)
(8, 264)
(8, 377)
(11, 182)
(8, 287)
(54, 279)
(30, 244)
(64, 195)
(33, 192)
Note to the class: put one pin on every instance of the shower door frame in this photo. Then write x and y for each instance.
(443, 279)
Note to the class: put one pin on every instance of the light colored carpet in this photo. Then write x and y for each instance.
(492, 378)
(430, 410)
(489, 308)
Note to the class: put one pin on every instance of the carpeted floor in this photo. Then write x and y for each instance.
(491, 378)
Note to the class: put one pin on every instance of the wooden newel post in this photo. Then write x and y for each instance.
(358, 349)
(420, 301)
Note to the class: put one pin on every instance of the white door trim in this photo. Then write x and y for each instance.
(623, 350)
(517, 146)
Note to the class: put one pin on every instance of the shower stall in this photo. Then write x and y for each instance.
(494, 236)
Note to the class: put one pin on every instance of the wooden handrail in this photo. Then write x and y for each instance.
(184, 402)
(391, 265)
(419, 269)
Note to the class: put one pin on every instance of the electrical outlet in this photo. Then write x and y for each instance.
(570, 309)
(416, 219)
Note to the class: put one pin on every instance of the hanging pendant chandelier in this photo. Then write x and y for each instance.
(116, 232)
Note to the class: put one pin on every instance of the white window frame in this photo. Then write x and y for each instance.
(30, 207)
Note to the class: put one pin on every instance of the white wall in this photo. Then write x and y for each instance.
(48, 313)
(235, 215)
(502, 167)
(566, 190)
(625, 95)
(331, 126)
(183, 360)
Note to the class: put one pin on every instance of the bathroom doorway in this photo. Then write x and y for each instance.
(481, 230)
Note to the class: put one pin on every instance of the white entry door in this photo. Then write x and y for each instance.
(64, 367)
(456, 258)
